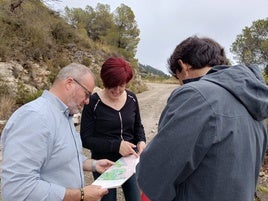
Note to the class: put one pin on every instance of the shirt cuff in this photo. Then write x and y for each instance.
(58, 192)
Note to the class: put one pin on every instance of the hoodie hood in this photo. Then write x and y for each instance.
(246, 84)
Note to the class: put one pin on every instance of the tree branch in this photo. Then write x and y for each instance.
(15, 5)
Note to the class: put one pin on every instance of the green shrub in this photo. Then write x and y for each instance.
(266, 78)
(62, 33)
(137, 86)
(86, 61)
(4, 88)
(24, 95)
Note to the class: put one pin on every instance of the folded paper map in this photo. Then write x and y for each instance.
(117, 174)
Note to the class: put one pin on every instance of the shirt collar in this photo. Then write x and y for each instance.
(212, 70)
(191, 80)
(57, 102)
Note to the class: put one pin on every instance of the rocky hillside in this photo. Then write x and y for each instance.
(149, 71)
(32, 51)
(35, 43)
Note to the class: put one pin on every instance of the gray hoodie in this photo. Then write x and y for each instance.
(211, 139)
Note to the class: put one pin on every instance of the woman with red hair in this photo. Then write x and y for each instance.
(111, 124)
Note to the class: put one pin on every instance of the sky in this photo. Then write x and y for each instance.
(164, 24)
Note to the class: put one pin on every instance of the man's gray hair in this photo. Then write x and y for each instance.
(74, 70)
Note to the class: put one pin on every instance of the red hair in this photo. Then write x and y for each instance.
(115, 71)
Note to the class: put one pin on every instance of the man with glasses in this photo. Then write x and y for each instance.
(87, 92)
(42, 152)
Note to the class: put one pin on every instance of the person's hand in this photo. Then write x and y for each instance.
(103, 164)
(94, 193)
(127, 148)
(141, 146)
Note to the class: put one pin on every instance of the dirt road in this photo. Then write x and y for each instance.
(152, 102)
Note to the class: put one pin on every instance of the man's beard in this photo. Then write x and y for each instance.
(73, 107)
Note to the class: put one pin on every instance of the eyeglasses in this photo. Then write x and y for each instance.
(88, 93)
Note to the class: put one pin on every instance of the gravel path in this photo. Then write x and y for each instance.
(151, 103)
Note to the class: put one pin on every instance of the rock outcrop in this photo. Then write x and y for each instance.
(32, 76)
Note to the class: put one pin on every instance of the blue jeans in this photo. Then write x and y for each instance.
(130, 189)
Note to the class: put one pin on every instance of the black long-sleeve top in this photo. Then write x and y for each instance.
(103, 128)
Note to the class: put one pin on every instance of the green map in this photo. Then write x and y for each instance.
(117, 174)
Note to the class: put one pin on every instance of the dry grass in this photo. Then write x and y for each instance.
(7, 105)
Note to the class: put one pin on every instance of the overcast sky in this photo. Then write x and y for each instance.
(165, 23)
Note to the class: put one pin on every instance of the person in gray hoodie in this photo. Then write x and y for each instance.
(212, 136)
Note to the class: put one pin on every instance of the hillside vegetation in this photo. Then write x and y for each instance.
(33, 32)
(36, 42)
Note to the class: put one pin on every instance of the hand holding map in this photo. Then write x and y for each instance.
(118, 173)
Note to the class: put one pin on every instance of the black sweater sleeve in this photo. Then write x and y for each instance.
(138, 127)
